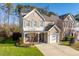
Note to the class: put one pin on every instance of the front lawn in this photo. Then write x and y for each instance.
(11, 50)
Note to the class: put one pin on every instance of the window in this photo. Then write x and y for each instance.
(33, 23)
(41, 23)
(26, 23)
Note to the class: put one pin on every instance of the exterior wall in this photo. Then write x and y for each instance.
(33, 16)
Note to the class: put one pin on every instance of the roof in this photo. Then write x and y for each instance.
(34, 10)
(55, 27)
(65, 15)
(47, 18)
(51, 18)
(48, 27)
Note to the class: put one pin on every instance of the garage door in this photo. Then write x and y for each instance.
(54, 37)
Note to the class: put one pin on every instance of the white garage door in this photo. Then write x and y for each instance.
(54, 37)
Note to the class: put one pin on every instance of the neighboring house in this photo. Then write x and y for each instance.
(70, 26)
(39, 28)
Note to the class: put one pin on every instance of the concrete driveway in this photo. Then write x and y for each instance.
(57, 50)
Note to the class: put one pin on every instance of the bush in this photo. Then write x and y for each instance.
(65, 38)
(7, 41)
(70, 37)
(71, 40)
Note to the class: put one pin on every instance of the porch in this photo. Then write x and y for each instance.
(35, 37)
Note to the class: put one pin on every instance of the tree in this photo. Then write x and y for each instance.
(8, 10)
(77, 17)
(18, 11)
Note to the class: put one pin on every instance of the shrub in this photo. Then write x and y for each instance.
(70, 37)
(71, 40)
(65, 38)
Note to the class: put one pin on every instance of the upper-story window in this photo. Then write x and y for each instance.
(26, 23)
(65, 24)
(33, 23)
(41, 24)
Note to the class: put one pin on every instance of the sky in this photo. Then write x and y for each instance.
(58, 8)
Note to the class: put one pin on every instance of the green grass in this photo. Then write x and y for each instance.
(65, 43)
(11, 50)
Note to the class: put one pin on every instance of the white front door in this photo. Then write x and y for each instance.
(54, 37)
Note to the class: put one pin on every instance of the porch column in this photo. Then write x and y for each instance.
(24, 37)
(30, 37)
(38, 37)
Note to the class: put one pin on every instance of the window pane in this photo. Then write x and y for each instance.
(33, 23)
(26, 23)
(41, 23)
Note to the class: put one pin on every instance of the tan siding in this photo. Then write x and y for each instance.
(34, 16)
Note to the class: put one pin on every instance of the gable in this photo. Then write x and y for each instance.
(54, 28)
(69, 18)
(34, 15)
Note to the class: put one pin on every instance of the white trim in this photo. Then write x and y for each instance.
(29, 13)
(39, 14)
(53, 27)
(69, 16)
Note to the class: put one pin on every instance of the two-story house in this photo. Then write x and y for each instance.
(37, 27)
(70, 26)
